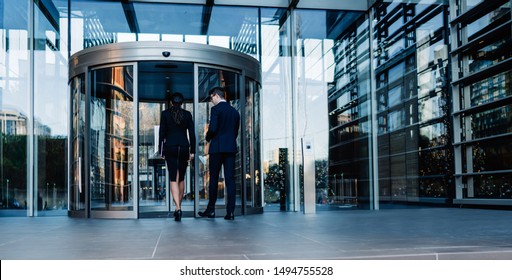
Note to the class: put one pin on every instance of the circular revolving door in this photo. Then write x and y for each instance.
(117, 95)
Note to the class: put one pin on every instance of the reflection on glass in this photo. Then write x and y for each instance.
(433, 135)
(14, 104)
(492, 155)
(492, 186)
(152, 177)
(491, 89)
(492, 19)
(431, 108)
(77, 195)
(426, 30)
(248, 145)
(492, 122)
(111, 142)
(50, 115)
(396, 72)
(490, 55)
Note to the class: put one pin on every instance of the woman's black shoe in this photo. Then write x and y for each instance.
(177, 215)
(229, 217)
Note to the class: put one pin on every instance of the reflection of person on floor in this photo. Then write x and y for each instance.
(175, 147)
(222, 134)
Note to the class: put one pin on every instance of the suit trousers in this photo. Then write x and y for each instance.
(216, 161)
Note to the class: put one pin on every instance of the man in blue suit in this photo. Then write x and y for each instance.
(222, 133)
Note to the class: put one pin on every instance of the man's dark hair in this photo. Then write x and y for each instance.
(218, 90)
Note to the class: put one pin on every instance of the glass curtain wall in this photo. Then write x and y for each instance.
(415, 159)
(349, 117)
(482, 100)
(332, 99)
(50, 112)
(276, 104)
(14, 105)
(33, 109)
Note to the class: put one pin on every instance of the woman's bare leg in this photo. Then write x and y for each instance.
(176, 194)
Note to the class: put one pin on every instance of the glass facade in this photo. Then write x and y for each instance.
(402, 101)
(481, 57)
(411, 60)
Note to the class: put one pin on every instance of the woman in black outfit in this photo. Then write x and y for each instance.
(175, 147)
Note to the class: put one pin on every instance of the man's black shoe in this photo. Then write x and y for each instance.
(229, 217)
(206, 213)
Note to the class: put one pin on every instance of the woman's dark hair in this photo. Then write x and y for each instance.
(176, 100)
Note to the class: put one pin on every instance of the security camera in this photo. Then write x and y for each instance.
(166, 54)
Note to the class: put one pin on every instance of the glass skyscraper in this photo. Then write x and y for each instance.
(395, 102)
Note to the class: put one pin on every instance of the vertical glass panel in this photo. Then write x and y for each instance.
(111, 139)
(14, 106)
(50, 115)
(330, 103)
(257, 172)
(77, 138)
(209, 78)
(249, 145)
(152, 189)
(276, 105)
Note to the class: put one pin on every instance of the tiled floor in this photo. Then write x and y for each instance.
(419, 233)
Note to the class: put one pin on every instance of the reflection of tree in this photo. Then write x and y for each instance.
(52, 167)
(274, 183)
(321, 174)
(275, 180)
(14, 166)
(434, 170)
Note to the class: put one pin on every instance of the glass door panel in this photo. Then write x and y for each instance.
(77, 191)
(153, 186)
(111, 141)
(208, 78)
(248, 146)
(187, 204)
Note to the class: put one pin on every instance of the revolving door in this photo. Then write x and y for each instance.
(117, 94)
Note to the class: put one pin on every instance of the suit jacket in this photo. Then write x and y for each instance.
(223, 129)
(174, 134)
